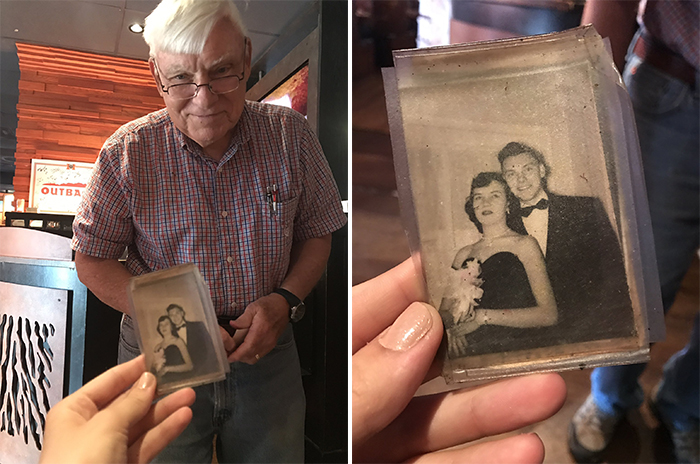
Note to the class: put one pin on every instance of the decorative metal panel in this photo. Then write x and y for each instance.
(32, 353)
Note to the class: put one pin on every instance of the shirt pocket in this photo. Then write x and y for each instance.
(278, 234)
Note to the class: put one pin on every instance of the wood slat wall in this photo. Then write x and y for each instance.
(70, 102)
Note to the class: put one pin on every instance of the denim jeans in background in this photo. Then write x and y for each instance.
(666, 111)
(257, 413)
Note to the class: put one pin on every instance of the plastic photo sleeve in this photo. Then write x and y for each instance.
(177, 328)
(516, 164)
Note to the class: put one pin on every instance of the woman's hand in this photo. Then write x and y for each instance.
(101, 422)
(159, 360)
(470, 325)
(395, 340)
(456, 344)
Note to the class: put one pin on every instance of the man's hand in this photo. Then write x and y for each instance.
(103, 423)
(258, 329)
(395, 340)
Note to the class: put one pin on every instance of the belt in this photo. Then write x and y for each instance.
(664, 60)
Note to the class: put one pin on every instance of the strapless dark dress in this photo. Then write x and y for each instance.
(173, 357)
(505, 286)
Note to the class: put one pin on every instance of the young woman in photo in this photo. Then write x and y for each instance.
(515, 290)
(172, 356)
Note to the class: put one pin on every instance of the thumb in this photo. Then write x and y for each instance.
(244, 320)
(134, 404)
(387, 371)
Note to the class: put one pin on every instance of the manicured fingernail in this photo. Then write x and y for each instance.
(408, 329)
(147, 380)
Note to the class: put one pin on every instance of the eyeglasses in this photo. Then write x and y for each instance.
(217, 86)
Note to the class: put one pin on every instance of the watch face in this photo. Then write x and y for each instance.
(297, 312)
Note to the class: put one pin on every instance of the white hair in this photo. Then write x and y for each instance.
(183, 26)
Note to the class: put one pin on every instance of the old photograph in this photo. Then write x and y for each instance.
(518, 203)
(178, 336)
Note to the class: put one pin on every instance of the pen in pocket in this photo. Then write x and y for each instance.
(272, 199)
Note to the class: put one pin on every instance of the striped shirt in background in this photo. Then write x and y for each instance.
(155, 192)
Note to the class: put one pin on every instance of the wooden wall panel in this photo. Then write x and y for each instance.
(70, 102)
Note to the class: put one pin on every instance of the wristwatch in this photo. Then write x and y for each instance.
(296, 306)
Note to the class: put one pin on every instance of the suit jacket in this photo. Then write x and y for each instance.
(201, 348)
(586, 269)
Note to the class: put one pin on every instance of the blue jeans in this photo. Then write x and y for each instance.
(256, 413)
(666, 111)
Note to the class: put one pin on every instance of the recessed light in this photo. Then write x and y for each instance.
(136, 28)
(16, 30)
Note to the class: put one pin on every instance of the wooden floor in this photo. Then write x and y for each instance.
(379, 243)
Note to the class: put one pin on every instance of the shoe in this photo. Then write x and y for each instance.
(591, 431)
(686, 443)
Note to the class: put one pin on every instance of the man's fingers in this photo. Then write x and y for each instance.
(160, 411)
(254, 343)
(243, 321)
(248, 336)
(521, 449)
(156, 439)
(377, 302)
(239, 336)
(388, 371)
(436, 422)
(229, 343)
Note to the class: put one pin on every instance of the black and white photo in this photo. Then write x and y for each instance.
(513, 167)
(177, 328)
(171, 355)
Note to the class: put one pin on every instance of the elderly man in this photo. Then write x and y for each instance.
(241, 189)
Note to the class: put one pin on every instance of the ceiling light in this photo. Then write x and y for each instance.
(136, 28)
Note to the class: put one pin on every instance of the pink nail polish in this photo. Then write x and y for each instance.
(408, 329)
(146, 380)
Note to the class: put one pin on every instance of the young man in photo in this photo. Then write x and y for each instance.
(582, 253)
(197, 339)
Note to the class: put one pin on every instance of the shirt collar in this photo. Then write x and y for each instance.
(534, 201)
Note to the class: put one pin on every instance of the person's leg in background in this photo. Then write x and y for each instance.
(666, 112)
(266, 409)
(677, 397)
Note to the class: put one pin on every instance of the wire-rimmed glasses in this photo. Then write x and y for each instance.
(217, 86)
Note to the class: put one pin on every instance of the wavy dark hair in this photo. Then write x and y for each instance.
(173, 330)
(484, 179)
(175, 306)
(518, 148)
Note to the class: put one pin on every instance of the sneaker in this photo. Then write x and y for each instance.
(686, 443)
(591, 431)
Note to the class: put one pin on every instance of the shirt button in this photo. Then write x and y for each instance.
(224, 213)
(229, 259)
(234, 305)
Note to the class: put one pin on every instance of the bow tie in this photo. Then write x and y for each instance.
(526, 210)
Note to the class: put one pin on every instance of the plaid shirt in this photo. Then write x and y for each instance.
(676, 23)
(153, 191)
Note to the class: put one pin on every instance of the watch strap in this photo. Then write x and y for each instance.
(291, 298)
